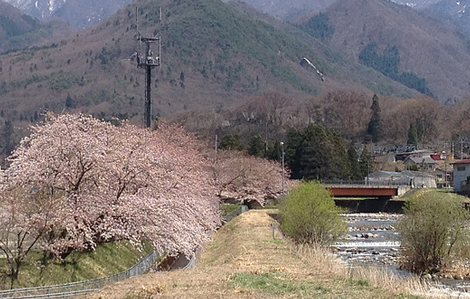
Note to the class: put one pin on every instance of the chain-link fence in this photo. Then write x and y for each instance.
(74, 289)
(241, 209)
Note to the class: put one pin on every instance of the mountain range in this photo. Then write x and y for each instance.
(78, 13)
(84, 13)
(19, 30)
(215, 54)
(424, 47)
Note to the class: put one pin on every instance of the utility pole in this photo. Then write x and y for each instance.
(148, 61)
(283, 174)
(368, 170)
(461, 147)
(444, 156)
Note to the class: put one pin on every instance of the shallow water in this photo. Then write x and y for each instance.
(373, 240)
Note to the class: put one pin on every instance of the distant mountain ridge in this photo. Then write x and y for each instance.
(420, 46)
(289, 10)
(296, 9)
(451, 11)
(425, 48)
(225, 57)
(81, 14)
(40, 9)
(78, 13)
(18, 30)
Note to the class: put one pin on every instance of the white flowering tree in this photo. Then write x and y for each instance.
(247, 178)
(91, 182)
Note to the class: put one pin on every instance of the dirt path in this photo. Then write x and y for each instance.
(244, 261)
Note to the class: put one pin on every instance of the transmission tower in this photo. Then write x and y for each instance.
(148, 61)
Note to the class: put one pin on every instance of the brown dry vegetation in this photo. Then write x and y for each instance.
(244, 261)
(211, 75)
(217, 62)
(427, 48)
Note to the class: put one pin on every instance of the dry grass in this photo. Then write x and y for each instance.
(323, 259)
(244, 261)
(388, 280)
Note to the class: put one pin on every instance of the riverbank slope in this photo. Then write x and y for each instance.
(243, 260)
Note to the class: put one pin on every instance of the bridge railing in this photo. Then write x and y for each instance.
(399, 182)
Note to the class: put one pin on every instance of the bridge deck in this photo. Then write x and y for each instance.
(363, 191)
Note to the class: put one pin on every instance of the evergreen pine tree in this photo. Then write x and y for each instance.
(7, 134)
(232, 142)
(376, 126)
(412, 135)
(354, 164)
(274, 151)
(316, 154)
(69, 103)
(256, 146)
(365, 162)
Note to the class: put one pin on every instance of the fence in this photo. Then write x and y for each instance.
(74, 289)
(193, 258)
(370, 182)
(241, 209)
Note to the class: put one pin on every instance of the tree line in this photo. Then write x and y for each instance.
(77, 182)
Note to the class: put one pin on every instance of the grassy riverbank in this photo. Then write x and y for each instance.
(108, 259)
(243, 260)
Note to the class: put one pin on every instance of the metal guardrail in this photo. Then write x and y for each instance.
(241, 209)
(74, 289)
(192, 262)
(371, 182)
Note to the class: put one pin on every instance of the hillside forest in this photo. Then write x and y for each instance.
(237, 77)
(236, 73)
(237, 94)
(258, 124)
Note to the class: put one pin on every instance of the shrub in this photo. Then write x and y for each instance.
(309, 215)
(433, 231)
(319, 27)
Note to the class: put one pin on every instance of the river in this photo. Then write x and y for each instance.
(373, 240)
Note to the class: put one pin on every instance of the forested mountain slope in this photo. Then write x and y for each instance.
(213, 55)
(18, 30)
(399, 42)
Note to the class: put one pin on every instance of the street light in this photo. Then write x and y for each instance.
(445, 167)
(282, 163)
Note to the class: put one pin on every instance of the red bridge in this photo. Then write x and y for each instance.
(350, 190)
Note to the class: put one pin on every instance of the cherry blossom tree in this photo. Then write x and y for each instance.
(22, 224)
(247, 178)
(108, 183)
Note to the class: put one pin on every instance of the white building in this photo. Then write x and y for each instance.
(415, 179)
(461, 175)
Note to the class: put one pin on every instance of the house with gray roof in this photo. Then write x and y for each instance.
(422, 163)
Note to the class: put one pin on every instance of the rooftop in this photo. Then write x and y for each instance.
(466, 161)
(417, 160)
